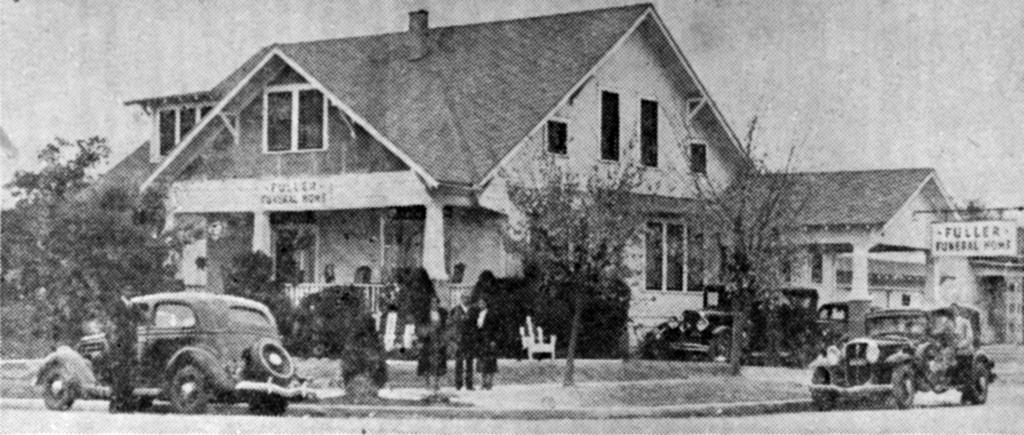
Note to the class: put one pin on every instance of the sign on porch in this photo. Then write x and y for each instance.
(974, 239)
(293, 193)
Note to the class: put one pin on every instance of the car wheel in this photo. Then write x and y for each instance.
(976, 390)
(269, 359)
(268, 405)
(823, 400)
(145, 404)
(60, 389)
(903, 386)
(189, 391)
(718, 348)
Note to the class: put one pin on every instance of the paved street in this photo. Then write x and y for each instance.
(939, 414)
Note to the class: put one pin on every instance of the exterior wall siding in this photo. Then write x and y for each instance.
(350, 149)
(636, 71)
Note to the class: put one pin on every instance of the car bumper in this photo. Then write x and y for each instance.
(858, 390)
(295, 392)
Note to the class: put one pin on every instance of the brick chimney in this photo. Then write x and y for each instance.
(419, 45)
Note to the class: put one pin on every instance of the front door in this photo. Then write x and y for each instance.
(171, 327)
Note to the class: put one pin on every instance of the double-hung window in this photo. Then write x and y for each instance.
(176, 122)
(674, 258)
(294, 119)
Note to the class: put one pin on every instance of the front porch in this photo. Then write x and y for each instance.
(338, 231)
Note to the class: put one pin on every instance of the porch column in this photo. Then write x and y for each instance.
(930, 293)
(433, 242)
(828, 275)
(261, 231)
(859, 285)
(859, 301)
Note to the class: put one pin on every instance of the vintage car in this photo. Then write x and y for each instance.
(899, 357)
(193, 349)
(707, 334)
(834, 324)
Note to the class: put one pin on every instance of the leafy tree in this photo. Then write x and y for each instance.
(85, 246)
(575, 229)
(754, 211)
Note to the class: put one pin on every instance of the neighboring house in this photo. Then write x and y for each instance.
(866, 240)
(353, 157)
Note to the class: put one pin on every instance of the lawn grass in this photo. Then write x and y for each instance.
(402, 374)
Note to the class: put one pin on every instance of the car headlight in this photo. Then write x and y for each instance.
(833, 355)
(872, 352)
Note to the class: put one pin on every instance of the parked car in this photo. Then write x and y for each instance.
(834, 324)
(193, 349)
(897, 358)
(707, 333)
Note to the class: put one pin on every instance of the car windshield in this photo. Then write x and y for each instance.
(902, 325)
(248, 318)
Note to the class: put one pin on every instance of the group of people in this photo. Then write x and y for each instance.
(468, 334)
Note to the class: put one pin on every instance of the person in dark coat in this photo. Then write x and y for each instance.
(123, 364)
(487, 348)
(432, 363)
(462, 340)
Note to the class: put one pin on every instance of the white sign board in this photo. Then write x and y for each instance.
(298, 193)
(974, 239)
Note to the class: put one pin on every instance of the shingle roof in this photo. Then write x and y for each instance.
(130, 172)
(457, 111)
(870, 197)
(460, 109)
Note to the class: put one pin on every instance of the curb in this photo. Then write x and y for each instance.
(685, 411)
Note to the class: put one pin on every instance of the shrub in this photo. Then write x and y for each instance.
(603, 319)
(251, 276)
(349, 333)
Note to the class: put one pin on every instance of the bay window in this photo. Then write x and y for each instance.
(294, 119)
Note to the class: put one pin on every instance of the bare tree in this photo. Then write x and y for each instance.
(576, 230)
(753, 210)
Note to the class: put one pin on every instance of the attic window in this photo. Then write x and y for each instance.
(175, 123)
(294, 119)
(557, 137)
(649, 133)
(698, 158)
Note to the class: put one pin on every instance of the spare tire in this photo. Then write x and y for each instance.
(267, 358)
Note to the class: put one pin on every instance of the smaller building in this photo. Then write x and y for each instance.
(865, 239)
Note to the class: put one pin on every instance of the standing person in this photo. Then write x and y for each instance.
(487, 350)
(462, 340)
(123, 355)
(432, 363)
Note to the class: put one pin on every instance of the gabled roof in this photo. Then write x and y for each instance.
(870, 197)
(483, 87)
(480, 90)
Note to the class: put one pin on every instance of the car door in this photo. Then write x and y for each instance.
(171, 326)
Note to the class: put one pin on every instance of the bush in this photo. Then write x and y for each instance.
(251, 276)
(349, 333)
(415, 291)
(603, 321)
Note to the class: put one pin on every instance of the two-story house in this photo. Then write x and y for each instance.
(357, 156)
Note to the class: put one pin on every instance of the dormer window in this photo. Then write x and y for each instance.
(699, 158)
(557, 137)
(176, 122)
(294, 119)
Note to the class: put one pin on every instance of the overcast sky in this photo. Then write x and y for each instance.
(854, 84)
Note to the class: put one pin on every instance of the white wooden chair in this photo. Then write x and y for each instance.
(533, 340)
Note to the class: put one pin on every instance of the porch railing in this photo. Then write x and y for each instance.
(448, 293)
(372, 293)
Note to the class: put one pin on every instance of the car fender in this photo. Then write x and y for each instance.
(820, 361)
(206, 362)
(72, 361)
